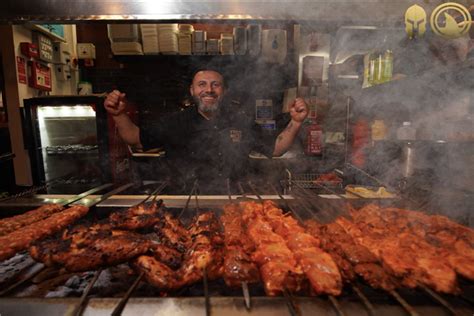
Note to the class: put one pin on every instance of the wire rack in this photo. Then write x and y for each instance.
(309, 181)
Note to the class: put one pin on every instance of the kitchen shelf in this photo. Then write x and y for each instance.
(418, 85)
(173, 57)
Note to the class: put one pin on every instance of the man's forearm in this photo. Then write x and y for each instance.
(286, 138)
(128, 131)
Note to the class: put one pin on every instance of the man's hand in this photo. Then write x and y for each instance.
(115, 103)
(298, 110)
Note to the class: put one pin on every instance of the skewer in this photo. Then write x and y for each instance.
(394, 293)
(332, 299)
(336, 305)
(158, 191)
(292, 307)
(439, 299)
(123, 301)
(188, 200)
(83, 302)
(364, 299)
(404, 303)
(245, 287)
(206, 292)
(241, 189)
(40, 267)
(205, 283)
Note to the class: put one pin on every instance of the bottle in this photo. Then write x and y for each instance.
(388, 66)
(378, 130)
(406, 132)
(360, 140)
(314, 138)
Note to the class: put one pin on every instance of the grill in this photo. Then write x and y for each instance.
(30, 288)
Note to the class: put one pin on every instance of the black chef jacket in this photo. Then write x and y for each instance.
(209, 150)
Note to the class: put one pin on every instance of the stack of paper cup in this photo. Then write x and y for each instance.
(212, 46)
(199, 42)
(185, 39)
(168, 38)
(254, 39)
(150, 38)
(240, 40)
(226, 44)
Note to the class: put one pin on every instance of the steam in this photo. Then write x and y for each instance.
(431, 88)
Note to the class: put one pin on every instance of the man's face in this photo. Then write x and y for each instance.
(207, 90)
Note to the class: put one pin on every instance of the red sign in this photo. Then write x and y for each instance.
(21, 66)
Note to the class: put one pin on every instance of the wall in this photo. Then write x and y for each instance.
(15, 93)
(23, 34)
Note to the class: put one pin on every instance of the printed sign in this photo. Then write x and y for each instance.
(21, 69)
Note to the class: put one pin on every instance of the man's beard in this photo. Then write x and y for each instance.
(207, 108)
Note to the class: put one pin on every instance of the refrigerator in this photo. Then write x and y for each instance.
(68, 142)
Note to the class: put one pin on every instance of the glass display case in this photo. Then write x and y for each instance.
(67, 140)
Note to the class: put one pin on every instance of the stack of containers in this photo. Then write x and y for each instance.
(124, 39)
(185, 39)
(168, 38)
(254, 39)
(150, 38)
(212, 46)
(226, 44)
(240, 40)
(199, 42)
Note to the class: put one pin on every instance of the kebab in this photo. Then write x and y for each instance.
(318, 266)
(351, 258)
(278, 267)
(404, 256)
(453, 242)
(13, 223)
(23, 237)
(238, 265)
(205, 253)
(84, 248)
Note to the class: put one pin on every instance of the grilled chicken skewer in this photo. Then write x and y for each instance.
(318, 266)
(238, 265)
(278, 267)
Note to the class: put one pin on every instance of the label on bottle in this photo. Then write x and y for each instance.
(314, 142)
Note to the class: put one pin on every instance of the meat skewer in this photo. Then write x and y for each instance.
(418, 266)
(318, 265)
(277, 264)
(333, 300)
(454, 243)
(10, 224)
(23, 237)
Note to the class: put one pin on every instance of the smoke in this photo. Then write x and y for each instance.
(431, 88)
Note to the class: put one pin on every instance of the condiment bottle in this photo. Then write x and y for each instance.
(360, 139)
(314, 138)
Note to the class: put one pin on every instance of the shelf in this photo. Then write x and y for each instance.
(164, 57)
(416, 86)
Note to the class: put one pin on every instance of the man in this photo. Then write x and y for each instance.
(210, 140)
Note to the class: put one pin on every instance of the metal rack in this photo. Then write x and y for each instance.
(213, 298)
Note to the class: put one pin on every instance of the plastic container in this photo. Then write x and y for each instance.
(406, 132)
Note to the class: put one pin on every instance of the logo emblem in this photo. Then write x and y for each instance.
(415, 21)
(450, 20)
